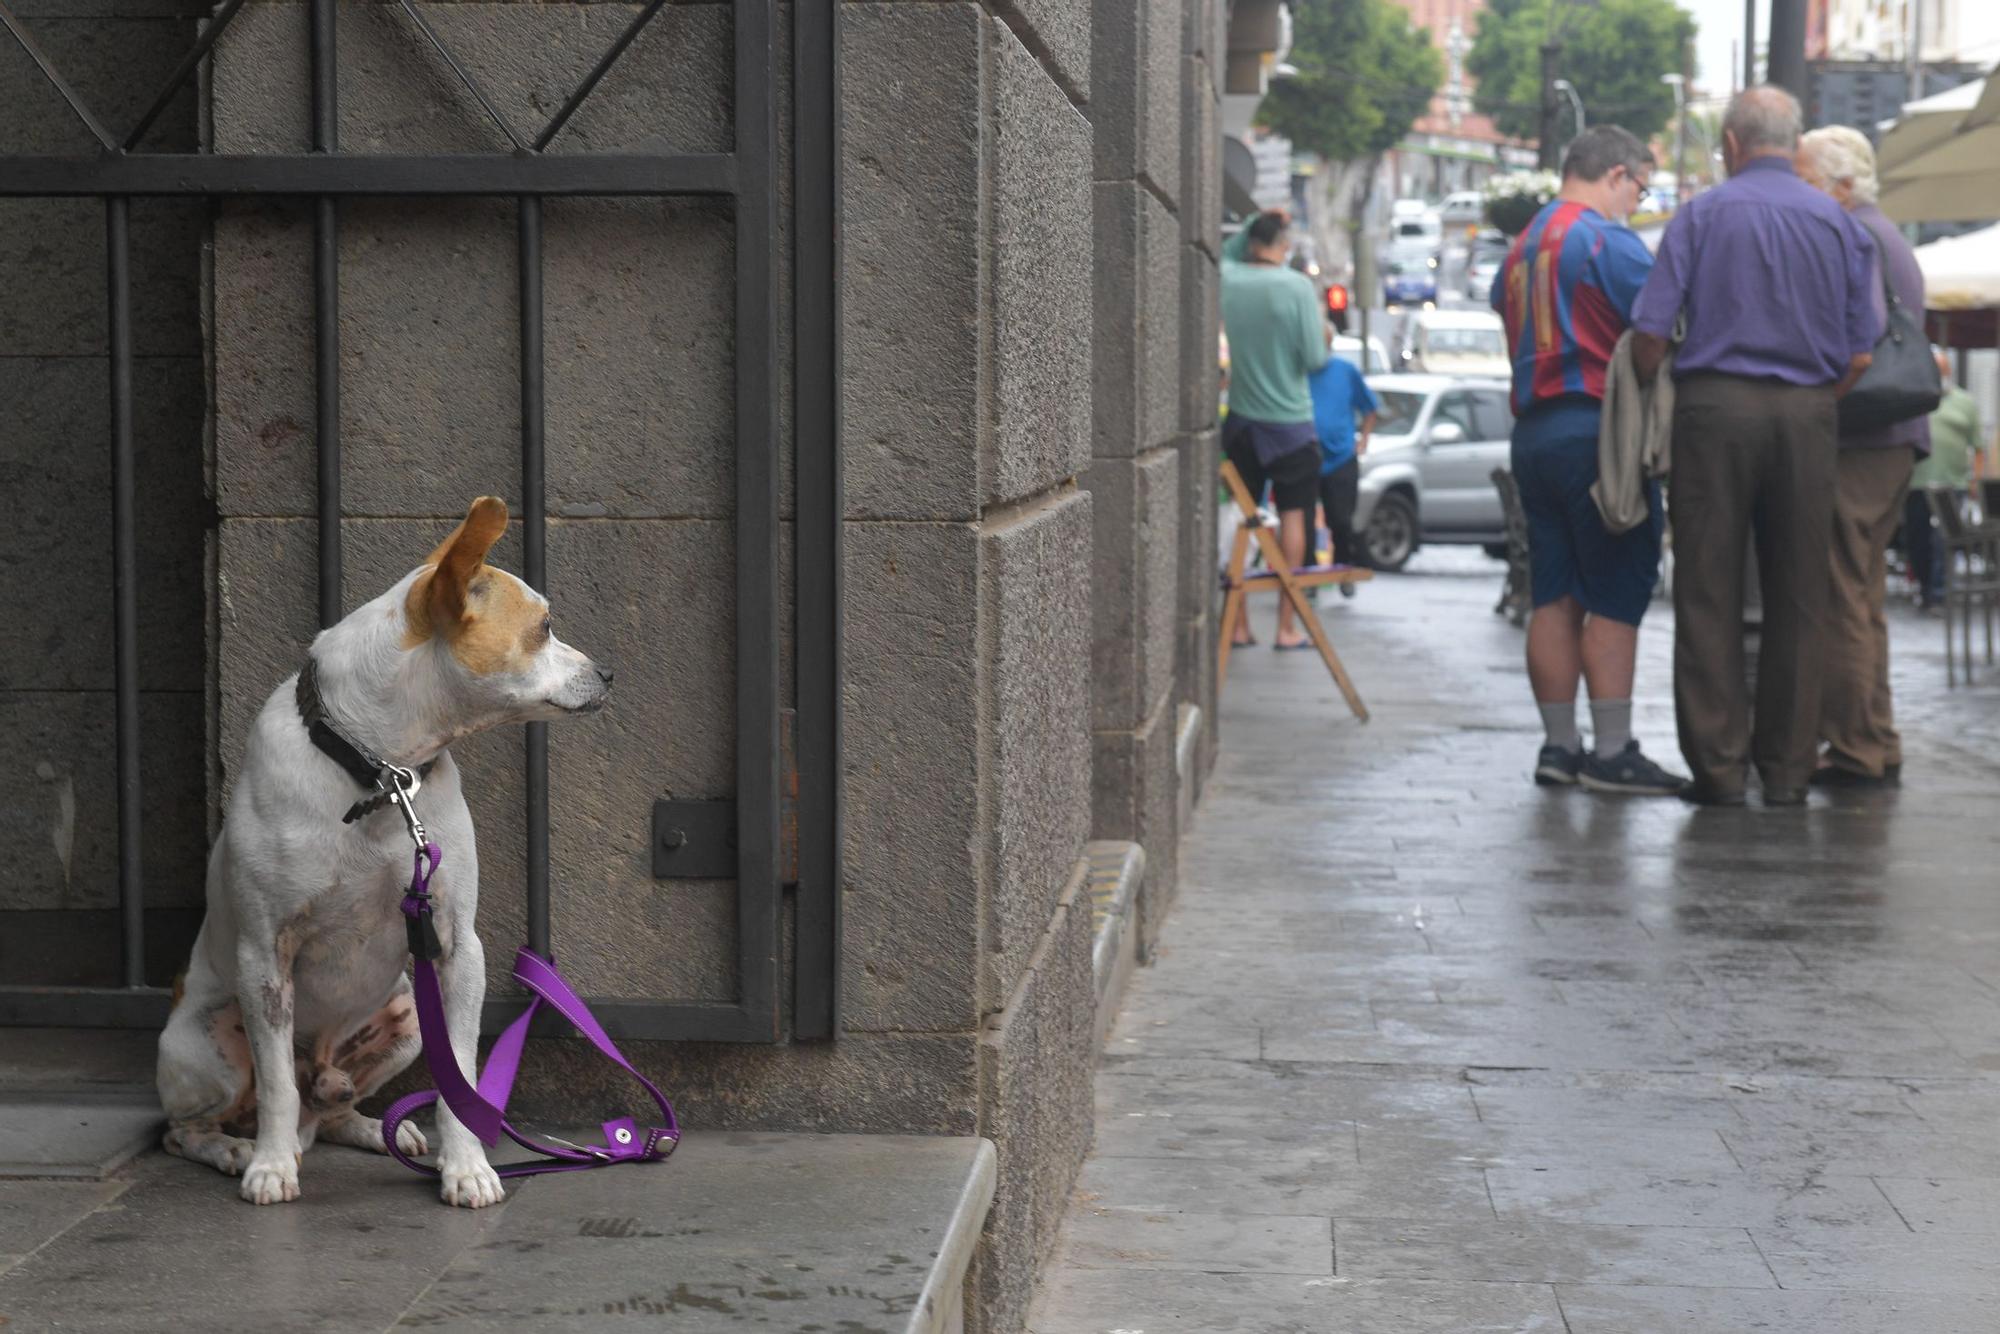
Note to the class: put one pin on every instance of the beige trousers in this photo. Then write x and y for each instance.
(1856, 717)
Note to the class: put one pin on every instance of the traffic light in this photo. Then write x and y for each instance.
(1336, 306)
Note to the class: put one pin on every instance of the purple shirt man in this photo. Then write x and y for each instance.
(1775, 278)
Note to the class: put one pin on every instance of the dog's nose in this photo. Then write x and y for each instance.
(603, 673)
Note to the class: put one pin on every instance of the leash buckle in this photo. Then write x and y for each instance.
(422, 936)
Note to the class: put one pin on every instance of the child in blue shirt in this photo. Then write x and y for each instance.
(1339, 397)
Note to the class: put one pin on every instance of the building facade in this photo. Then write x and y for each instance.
(1023, 402)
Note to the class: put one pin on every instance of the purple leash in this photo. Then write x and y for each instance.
(483, 1110)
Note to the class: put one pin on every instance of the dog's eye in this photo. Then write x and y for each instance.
(547, 628)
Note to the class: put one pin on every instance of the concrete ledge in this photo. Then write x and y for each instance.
(1116, 870)
(1185, 739)
(82, 1132)
(735, 1231)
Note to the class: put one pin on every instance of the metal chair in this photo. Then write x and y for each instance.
(1515, 597)
(1971, 556)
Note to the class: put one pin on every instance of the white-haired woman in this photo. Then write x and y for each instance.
(1857, 720)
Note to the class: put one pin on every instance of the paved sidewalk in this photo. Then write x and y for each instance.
(1427, 1048)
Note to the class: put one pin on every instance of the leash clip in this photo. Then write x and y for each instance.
(404, 784)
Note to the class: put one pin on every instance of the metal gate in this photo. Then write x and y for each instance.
(781, 830)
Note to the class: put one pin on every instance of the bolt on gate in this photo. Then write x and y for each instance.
(781, 829)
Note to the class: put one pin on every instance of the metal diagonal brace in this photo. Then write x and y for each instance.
(596, 75)
(54, 76)
(209, 36)
(465, 77)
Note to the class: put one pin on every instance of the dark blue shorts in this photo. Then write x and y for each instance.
(1570, 552)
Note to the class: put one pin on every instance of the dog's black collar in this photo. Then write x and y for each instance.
(369, 772)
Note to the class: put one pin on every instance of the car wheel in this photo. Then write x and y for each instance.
(1392, 532)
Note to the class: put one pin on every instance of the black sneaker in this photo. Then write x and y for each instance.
(1629, 773)
(1558, 766)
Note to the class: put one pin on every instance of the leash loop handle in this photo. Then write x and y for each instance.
(482, 1110)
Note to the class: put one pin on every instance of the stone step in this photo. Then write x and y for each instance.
(736, 1231)
(1116, 869)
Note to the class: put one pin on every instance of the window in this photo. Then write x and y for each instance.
(1399, 413)
(1466, 342)
(1456, 407)
(1490, 410)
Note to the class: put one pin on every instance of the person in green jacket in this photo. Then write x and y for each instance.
(1276, 341)
(1954, 441)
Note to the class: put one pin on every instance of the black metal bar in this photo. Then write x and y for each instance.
(637, 1021)
(54, 76)
(210, 34)
(821, 507)
(368, 174)
(147, 1007)
(757, 570)
(125, 586)
(326, 313)
(465, 77)
(325, 77)
(326, 386)
(591, 80)
(84, 1007)
(534, 553)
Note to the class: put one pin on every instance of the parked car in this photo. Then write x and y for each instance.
(1463, 208)
(1408, 282)
(1456, 342)
(1348, 349)
(1424, 231)
(1428, 472)
(1489, 252)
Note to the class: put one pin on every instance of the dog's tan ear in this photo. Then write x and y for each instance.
(458, 559)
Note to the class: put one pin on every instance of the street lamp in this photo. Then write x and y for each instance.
(1679, 85)
(1568, 89)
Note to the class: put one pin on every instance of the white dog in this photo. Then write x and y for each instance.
(296, 1004)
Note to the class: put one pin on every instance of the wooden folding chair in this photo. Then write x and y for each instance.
(1280, 577)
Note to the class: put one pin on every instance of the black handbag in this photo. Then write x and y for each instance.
(1902, 380)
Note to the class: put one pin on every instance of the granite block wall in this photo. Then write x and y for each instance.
(58, 822)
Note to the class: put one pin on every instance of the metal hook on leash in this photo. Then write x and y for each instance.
(404, 784)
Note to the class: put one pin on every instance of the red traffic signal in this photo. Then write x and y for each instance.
(1336, 307)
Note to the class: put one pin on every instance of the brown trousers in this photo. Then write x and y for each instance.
(1856, 717)
(1750, 455)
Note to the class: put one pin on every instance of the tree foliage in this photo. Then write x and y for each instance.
(1614, 51)
(1364, 76)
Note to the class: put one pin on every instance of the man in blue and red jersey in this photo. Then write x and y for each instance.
(1566, 294)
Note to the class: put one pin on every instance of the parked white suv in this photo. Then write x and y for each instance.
(1428, 472)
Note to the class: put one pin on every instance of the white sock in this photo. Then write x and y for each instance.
(1559, 721)
(1611, 721)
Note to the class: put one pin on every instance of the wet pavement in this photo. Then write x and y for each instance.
(1429, 1049)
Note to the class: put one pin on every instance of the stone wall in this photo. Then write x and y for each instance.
(1153, 439)
(967, 309)
(58, 804)
(1028, 265)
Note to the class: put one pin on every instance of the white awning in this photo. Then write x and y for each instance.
(1962, 272)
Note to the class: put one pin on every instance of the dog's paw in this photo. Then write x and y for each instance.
(271, 1182)
(472, 1184)
(411, 1140)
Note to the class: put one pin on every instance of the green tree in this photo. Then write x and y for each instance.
(1364, 76)
(1614, 51)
